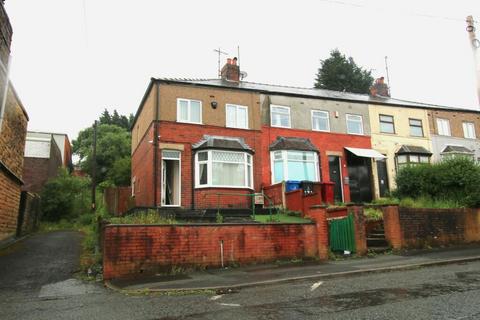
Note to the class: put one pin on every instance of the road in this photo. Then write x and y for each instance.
(36, 282)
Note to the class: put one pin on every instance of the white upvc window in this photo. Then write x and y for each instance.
(189, 111)
(237, 116)
(280, 116)
(443, 126)
(469, 130)
(320, 120)
(294, 165)
(223, 169)
(354, 124)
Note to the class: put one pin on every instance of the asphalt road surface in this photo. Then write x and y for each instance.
(36, 282)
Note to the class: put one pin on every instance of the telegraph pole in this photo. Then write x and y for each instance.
(94, 165)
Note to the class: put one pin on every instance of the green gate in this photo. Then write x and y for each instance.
(342, 234)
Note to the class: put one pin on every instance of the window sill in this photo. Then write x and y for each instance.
(179, 121)
(223, 187)
(318, 130)
(289, 127)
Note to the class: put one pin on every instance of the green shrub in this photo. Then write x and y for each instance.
(373, 214)
(64, 197)
(452, 181)
(86, 219)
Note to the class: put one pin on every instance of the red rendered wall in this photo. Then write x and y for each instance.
(130, 250)
(325, 142)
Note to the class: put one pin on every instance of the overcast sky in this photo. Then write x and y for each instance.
(73, 58)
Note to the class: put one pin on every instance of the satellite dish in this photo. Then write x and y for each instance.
(243, 74)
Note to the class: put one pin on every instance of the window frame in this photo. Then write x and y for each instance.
(392, 123)
(361, 122)
(416, 126)
(312, 112)
(189, 111)
(409, 161)
(236, 106)
(209, 162)
(438, 121)
(284, 160)
(465, 124)
(280, 107)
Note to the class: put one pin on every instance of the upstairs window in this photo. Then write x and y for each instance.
(280, 116)
(294, 165)
(469, 130)
(189, 111)
(237, 116)
(416, 128)
(386, 124)
(320, 120)
(443, 127)
(354, 124)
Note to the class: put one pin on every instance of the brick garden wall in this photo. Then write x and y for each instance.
(130, 250)
(417, 228)
(276, 194)
(9, 204)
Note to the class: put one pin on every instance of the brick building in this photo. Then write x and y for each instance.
(13, 129)
(43, 158)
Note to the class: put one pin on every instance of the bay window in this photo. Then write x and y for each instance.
(294, 165)
(215, 168)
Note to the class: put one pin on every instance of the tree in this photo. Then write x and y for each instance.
(113, 153)
(340, 73)
(116, 119)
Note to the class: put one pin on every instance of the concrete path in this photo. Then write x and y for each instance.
(228, 279)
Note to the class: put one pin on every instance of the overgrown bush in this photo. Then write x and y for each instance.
(452, 181)
(65, 197)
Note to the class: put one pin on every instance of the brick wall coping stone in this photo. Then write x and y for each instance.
(319, 206)
(210, 224)
(333, 209)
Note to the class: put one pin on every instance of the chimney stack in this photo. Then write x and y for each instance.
(380, 88)
(231, 71)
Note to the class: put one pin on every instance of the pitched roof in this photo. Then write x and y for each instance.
(456, 149)
(291, 143)
(219, 142)
(405, 149)
(307, 92)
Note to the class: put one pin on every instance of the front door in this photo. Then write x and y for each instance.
(382, 177)
(359, 173)
(336, 177)
(171, 182)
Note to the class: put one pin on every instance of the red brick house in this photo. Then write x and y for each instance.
(195, 140)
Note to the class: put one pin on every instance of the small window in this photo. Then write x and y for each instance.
(354, 124)
(469, 130)
(280, 116)
(189, 111)
(386, 124)
(416, 128)
(320, 121)
(443, 127)
(237, 116)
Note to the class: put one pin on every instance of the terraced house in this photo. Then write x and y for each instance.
(202, 143)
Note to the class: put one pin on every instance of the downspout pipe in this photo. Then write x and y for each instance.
(155, 147)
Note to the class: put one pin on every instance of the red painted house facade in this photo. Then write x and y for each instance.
(200, 144)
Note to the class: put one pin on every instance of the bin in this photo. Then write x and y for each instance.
(291, 185)
(306, 186)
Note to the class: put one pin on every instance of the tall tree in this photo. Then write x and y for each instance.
(113, 148)
(340, 73)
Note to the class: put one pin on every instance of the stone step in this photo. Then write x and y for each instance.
(380, 249)
(374, 242)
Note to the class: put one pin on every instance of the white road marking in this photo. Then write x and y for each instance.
(230, 304)
(216, 297)
(316, 285)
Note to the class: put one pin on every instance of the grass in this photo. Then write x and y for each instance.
(373, 214)
(425, 202)
(150, 217)
(280, 218)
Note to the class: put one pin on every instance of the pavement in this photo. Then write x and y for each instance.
(229, 279)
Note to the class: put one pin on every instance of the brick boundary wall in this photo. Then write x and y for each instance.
(9, 203)
(130, 250)
(417, 228)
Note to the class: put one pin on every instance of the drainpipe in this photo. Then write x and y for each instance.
(155, 147)
(193, 179)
